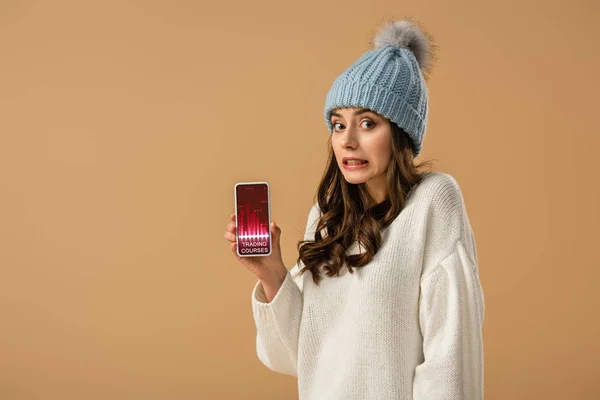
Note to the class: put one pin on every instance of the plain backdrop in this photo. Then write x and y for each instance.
(124, 126)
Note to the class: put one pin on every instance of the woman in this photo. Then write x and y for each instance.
(384, 301)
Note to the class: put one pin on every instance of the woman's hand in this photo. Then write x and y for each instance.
(269, 269)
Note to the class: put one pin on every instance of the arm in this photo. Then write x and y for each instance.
(451, 313)
(278, 321)
(277, 326)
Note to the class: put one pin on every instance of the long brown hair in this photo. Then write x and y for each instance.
(348, 213)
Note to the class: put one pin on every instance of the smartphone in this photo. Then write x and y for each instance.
(252, 218)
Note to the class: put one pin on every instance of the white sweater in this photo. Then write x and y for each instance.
(408, 325)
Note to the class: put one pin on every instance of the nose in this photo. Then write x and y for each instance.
(348, 140)
(348, 145)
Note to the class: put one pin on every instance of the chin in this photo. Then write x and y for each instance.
(354, 179)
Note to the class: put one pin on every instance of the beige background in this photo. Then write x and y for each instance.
(125, 124)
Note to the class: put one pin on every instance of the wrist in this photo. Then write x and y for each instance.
(273, 283)
(276, 277)
(273, 277)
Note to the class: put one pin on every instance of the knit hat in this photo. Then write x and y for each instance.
(389, 79)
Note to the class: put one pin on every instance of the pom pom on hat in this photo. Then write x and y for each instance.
(409, 35)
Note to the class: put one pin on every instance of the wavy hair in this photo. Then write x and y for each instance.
(346, 214)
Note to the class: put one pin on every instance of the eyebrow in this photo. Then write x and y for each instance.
(357, 112)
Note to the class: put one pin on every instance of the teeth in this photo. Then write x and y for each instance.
(355, 162)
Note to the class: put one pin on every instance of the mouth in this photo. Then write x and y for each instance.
(354, 161)
(355, 164)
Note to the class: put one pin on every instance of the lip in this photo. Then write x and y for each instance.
(352, 158)
(351, 167)
(346, 166)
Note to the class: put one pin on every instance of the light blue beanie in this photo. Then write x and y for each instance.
(389, 79)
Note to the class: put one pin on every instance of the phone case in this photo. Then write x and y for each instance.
(253, 218)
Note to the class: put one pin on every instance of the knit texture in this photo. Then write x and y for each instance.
(389, 82)
(408, 325)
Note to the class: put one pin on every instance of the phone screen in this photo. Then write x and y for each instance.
(253, 217)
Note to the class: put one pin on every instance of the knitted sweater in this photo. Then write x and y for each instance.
(408, 325)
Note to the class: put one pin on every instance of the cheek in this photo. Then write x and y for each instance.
(382, 151)
(335, 146)
(335, 152)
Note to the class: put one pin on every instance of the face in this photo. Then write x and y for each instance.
(366, 135)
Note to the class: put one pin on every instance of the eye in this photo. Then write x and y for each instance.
(370, 122)
(334, 125)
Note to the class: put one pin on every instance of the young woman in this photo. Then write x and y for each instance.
(384, 301)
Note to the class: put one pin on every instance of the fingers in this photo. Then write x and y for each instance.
(240, 258)
(276, 232)
(233, 250)
(231, 229)
(274, 227)
(229, 236)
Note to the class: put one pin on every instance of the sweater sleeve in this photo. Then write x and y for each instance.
(451, 313)
(278, 322)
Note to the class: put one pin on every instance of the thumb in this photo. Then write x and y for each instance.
(275, 231)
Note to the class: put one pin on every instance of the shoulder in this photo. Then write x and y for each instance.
(314, 214)
(314, 211)
(442, 207)
(440, 193)
(437, 186)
